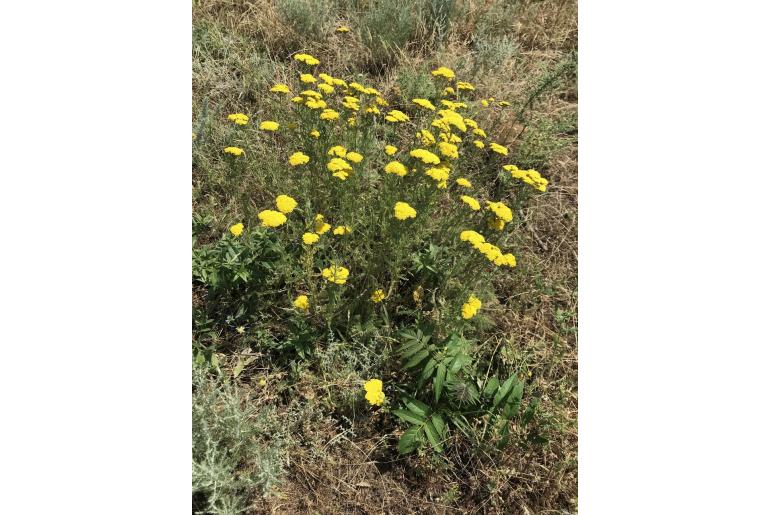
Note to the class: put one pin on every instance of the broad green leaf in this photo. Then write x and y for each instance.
(238, 368)
(214, 360)
(417, 359)
(504, 390)
(439, 424)
(408, 416)
(433, 436)
(491, 387)
(409, 440)
(418, 408)
(427, 371)
(410, 348)
(438, 382)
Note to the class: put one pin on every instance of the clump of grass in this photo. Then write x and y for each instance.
(238, 450)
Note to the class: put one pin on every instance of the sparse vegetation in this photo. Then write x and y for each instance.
(475, 408)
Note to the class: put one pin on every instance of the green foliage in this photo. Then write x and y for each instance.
(309, 18)
(237, 449)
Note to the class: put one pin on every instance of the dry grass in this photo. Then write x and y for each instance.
(340, 464)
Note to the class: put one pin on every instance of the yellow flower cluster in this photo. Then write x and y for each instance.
(234, 151)
(285, 204)
(396, 116)
(402, 211)
(396, 168)
(238, 118)
(424, 102)
(270, 218)
(236, 229)
(390, 150)
(465, 183)
(472, 202)
(298, 158)
(498, 148)
(500, 210)
(471, 307)
(319, 224)
(378, 296)
(444, 72)
(490, 251)
(280, 88)
(269, 125)
(310, 238)
(531, 177)
(374, 393)
(426, 156)
(336, 274)
(342, 230)
(301, 302)
(307, 59)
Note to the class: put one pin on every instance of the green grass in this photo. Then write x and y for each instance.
(306, 441)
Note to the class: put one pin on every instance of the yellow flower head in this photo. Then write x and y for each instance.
(298, 158)
(480, 132)
(503, 103)
(425, 156)
(424, 102)
(280, 88)
(496, 223)
(312, 94)
(236, 229)
(297, 100)
(448, 149)
(343, 29)
(285, 203)
(506, 260)
(402, 211)
(374, 393)
(500, 210)
(336, 274)
(238, 118)
(378, 296)
(328, 79)
(465, 183)
(444, 72)
(426, 136)
(307, 78)
(341, 175)
(531, 177)
(271, 218)
(396, 116)
(465, 85)
(319, 225)
(396, 168)
(354, 157)
(439, 173)
(269, 126)
(316, 103)
(473, 237)
(472, 202)
(307, 59)
(449, 117)
(234, 151)
(342, 230)
(326, 88)
(390, 150)
(302, 303)
(337, 150)
(471, 307)
(449, 90)
(498, 148)
(240, 329)
(478, 143)
(337, 164)
(309, 238)
(330, 114)
(314, 133)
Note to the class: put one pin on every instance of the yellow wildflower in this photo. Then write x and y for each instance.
(343, 29)
(280, 88)
(329, 114)
(472, 236)
(444, 72)
(326, 88)
(471, 307)
(449, 90)
(316, 103)
(425, 156)
(396, 116)
(448, 149)
(396, 168)
(342, 230)
(336, 274)
(424, 102)
(262, 382)
(285, 204)
(240, 329)
(500, 210)
(338, 165)
(465, 183)
(307, 59)
(354, 157)
(301, 302)
(478, 143)
(480, 132)
(319, 225)
(271, 218)
(312, 94)
(374, 393)
(238, 118)
(472, 202)
(402, 211)
(496, 223)
(236, 229)
(297, 100)
(314, 133)
(307, 78)
(378, 296)
(426, 136)
(390, 150)
(503, 103)
(298, 158)
(439, 174)
(234, 151)
(269, 125)
(309, 238)
(337, 150)
(465, 85)
(498, 148)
